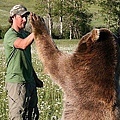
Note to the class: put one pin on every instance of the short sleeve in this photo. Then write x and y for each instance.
(9, 38)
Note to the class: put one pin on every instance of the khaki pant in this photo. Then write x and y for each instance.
(22, 101)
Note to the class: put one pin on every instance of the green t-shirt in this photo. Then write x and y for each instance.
(19, 65)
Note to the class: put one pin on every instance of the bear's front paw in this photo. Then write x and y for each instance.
(38, 24)
(95, 34)
(35, 20)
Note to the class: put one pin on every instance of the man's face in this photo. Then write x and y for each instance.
(20, 21)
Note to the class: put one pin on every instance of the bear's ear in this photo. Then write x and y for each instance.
(95, 33)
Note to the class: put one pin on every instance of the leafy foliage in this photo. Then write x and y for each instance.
(70, 15)
(111, 13)
(3, 30)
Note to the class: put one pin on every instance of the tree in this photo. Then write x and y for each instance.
(111, 13)
(77, 16)
(44, 8)
(66, 18)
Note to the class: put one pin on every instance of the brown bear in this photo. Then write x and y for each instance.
(86, 76)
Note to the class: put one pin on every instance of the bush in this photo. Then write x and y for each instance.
(3, 30)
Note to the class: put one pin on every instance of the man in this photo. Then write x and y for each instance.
(20, 77)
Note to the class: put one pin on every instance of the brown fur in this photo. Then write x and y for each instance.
(86, 76)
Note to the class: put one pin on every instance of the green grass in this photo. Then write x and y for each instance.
(67, 45)
(50, 96)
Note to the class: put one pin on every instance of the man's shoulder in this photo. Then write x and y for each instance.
(10, 36)
(10, 32)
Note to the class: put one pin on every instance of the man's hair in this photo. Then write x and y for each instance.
(10, 20)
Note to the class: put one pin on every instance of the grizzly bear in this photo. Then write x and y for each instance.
(86, 76)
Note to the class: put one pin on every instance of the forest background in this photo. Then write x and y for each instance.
(68, 19)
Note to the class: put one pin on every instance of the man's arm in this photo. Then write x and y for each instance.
(23, 43)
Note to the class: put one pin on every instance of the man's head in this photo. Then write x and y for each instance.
(18, 16)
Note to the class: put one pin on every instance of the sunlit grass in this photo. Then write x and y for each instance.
(3, 99)
(50, 96)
